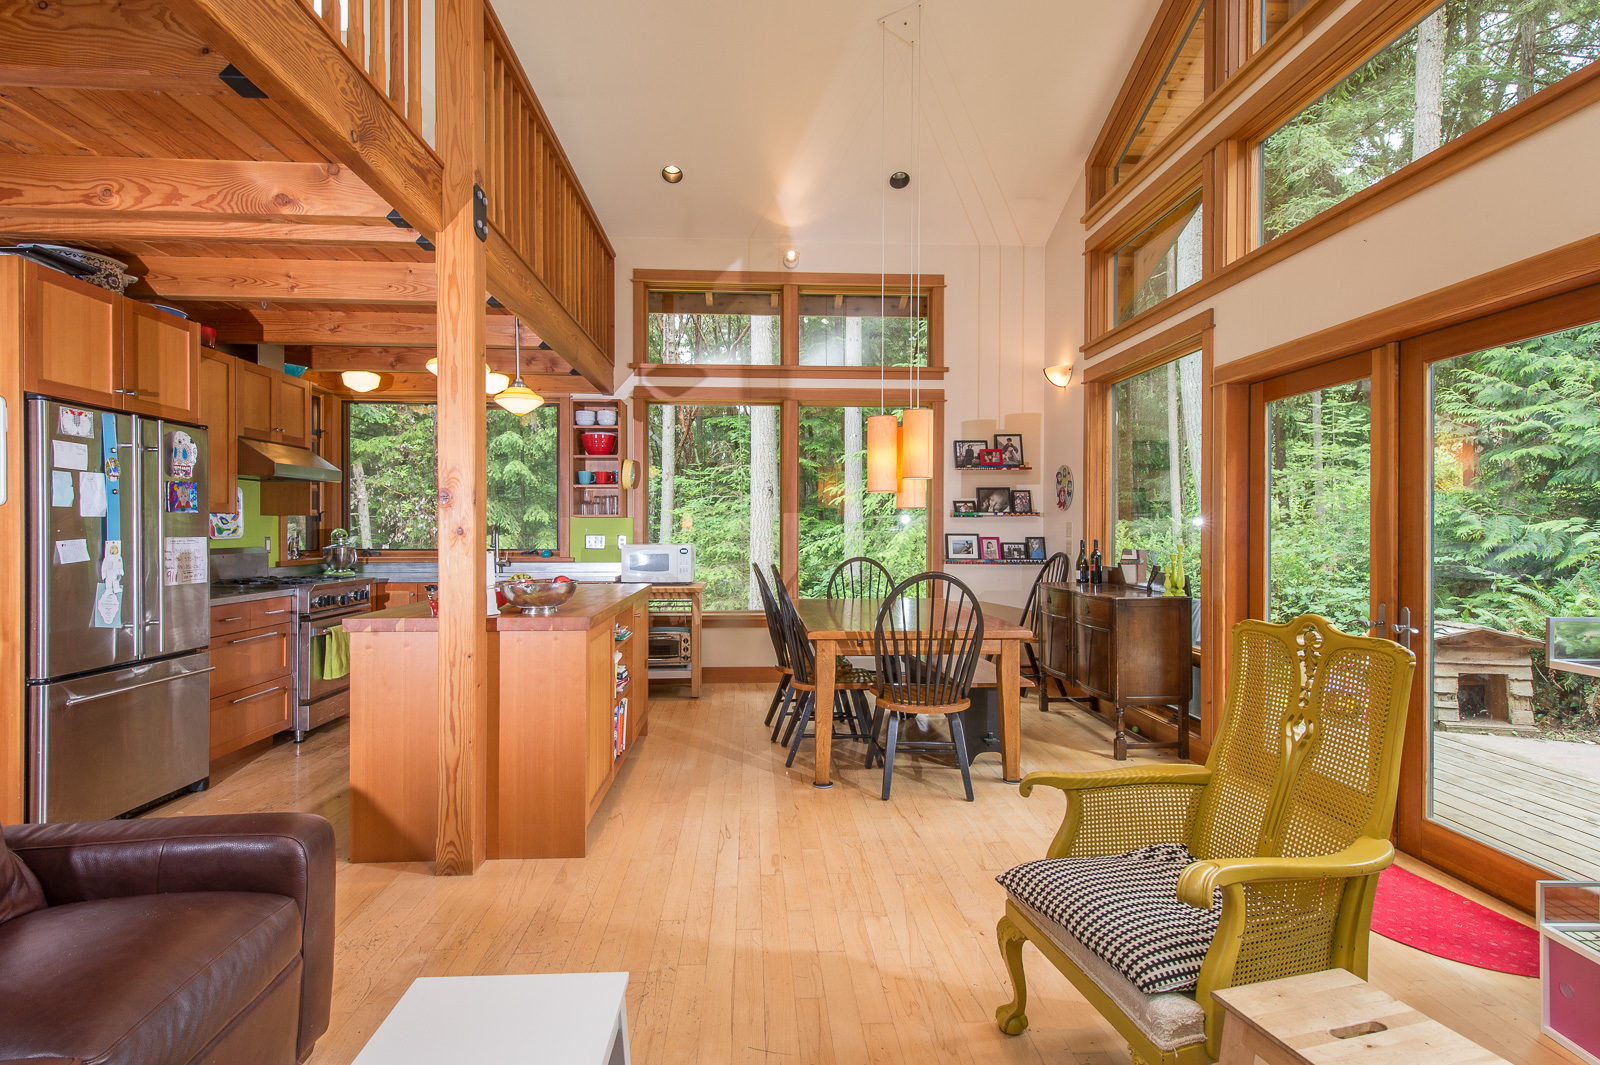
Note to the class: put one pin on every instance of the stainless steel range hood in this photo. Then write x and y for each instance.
(280, 462)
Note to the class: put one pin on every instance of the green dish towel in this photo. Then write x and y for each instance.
(335, 658)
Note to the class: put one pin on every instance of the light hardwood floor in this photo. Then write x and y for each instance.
(765, 921)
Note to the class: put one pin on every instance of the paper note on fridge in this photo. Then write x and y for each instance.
(61, 494)
(70, 456)
(91, 495)
(68, 551)
(185, 560)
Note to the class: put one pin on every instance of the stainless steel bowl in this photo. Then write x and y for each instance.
(537, 597)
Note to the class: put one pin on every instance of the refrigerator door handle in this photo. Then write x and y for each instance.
(76, 699)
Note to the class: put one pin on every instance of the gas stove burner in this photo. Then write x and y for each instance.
(268, 582)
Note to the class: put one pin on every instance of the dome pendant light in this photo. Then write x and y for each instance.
(361, 380)
(519, 399)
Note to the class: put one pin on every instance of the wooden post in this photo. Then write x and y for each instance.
(462, 272)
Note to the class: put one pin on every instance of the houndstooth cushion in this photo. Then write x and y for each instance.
(1125, 908)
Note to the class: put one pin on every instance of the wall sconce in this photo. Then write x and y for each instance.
(1060, 376)
(791, 258)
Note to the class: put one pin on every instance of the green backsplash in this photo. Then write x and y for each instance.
(610, 528)
(257, 526)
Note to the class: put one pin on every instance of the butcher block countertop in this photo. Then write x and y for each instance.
(591, 604)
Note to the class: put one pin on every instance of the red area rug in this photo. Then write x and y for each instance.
(1421, 914)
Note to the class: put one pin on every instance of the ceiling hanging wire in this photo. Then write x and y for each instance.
(883, 429)
(916, 431)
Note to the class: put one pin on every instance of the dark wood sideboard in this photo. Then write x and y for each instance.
(1125, 645)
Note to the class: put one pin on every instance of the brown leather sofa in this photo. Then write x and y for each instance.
(169, 941)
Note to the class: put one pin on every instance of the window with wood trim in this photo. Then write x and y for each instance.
(392, 472)
(709, 327)
(1178, 92)
(863, 329)
(1160, 260)
(1272, 15)
(1462, 64)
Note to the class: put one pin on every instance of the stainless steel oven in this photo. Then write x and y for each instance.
(319, 698)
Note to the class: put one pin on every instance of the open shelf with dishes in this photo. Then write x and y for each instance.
(599, 447)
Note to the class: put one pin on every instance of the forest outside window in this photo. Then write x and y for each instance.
(714, 483)
(1179, 92)
(839, 518)
(1162, 260)
(863, 329)
(707, 327)
(1466, 62)
(1155, 476)
(392, 476)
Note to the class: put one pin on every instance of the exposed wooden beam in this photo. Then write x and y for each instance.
(282, 48)
(288, 280)
(399, 328)
(132, 44)
(424, 387)
(209, 189)
(521, 291)
(415, 360)
(48, 225)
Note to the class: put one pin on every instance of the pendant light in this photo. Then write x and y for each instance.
(883, 453)
(519, 399)
(361, 380)
(494, 382)
(433, 366)
(911, 493)
(916, 442)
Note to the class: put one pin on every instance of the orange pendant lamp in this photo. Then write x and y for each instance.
(911, 493)
(916, 442)
(883, 453)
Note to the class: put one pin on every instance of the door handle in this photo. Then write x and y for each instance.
(263, 636)
(1404, 630)
(224, 621)
(257, 695)
(76, 699)
(1380, 622)
(264, 613)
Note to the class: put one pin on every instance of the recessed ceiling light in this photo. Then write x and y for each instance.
(671, 174)
(791, 258)
(899, 179)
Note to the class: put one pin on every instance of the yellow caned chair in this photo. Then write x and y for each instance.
(1289, 818)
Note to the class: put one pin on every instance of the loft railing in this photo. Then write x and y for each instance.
(392, 40)
(535, 200)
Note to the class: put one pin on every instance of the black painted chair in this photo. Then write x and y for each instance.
(859, 578)
(850, 686)
(780, 646)
(928, 640)
(1054, 571)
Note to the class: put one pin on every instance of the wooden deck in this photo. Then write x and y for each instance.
(1538, 799)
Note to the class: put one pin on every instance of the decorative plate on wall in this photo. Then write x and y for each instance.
(1064, 487)
(630, 473)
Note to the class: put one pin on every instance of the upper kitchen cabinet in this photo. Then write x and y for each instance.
(86, 345)
(160, 363)
(71, 339)
(273, 406)
(216, 414)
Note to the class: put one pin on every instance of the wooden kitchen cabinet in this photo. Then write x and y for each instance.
(272, 406)
(160, 363)
(216, 414)
(293, 411)
(252, 686)
(71, 339)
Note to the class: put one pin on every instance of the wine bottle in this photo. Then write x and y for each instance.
(1083, 564)
(1095, 575)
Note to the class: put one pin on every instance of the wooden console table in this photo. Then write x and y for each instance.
(1126, 645)
(690, 595)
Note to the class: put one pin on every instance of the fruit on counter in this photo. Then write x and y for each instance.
(566, 579)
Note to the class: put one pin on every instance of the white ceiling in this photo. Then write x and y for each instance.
(776, 109)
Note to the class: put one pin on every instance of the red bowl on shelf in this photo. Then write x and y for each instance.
(599, 443)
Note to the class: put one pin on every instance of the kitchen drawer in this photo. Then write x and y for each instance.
(270, 613)
(1090, 608)
(242, 718)
(229, 618)
(258, 656)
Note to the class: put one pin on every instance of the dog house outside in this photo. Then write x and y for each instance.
(1483, 680)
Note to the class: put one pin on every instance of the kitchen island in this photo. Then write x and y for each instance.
(567, 702)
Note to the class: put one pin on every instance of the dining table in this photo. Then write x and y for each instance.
(846, 627)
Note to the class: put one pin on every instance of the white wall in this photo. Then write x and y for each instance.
(995, 346)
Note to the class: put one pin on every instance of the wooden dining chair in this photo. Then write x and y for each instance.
(927, 640)
(1054, 571)
(859, 578)
(780, 646)
(850, 686)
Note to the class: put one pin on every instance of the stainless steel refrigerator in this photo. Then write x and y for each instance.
(118, 611)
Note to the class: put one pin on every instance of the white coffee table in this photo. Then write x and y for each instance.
(554, 1018)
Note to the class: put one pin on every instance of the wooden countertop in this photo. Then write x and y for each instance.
(591, 604)
(1114, 591)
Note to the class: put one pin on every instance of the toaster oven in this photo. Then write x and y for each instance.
(669, 647)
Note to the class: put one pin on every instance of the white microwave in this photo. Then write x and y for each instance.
(658, 564)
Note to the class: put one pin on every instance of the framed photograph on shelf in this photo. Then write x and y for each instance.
(1010, 447)
(960, 547)
(963, 507)
(989, 548)
(1013, 551)
(1036, 548)
(991, 456)
(967, 453)
(994, 501)
(1022, 501)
